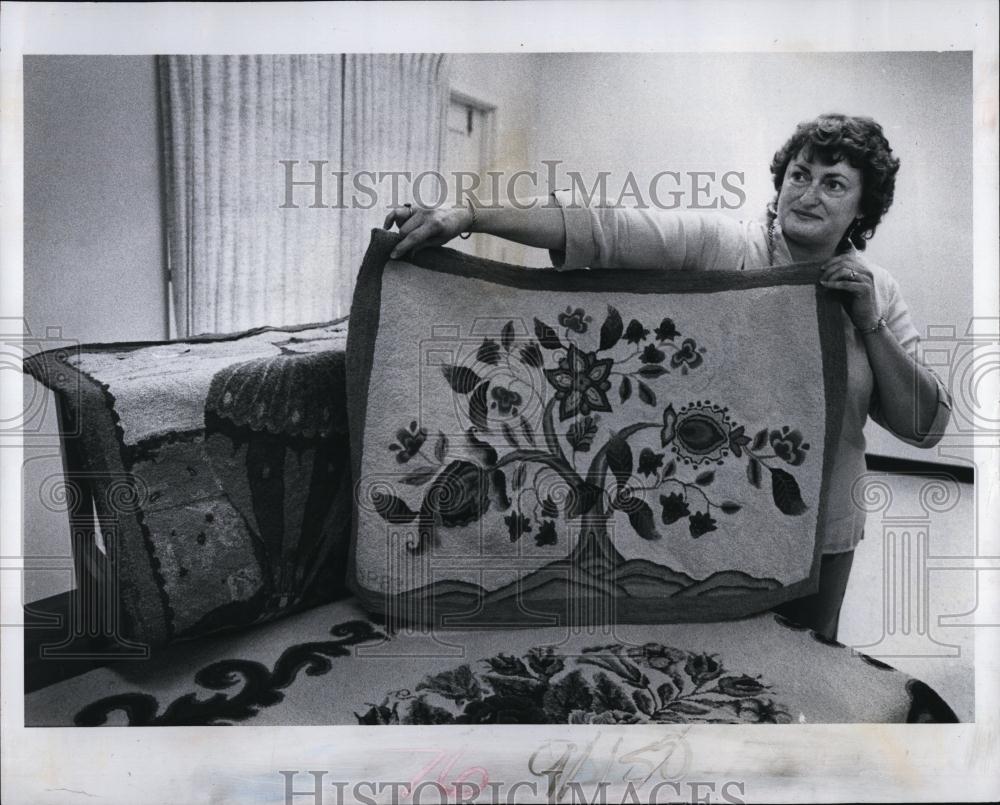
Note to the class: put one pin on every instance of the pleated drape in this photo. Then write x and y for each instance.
(395, 107)
(237, 258)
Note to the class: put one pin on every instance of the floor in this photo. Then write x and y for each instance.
(878, 619)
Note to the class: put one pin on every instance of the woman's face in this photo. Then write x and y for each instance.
(817, 203)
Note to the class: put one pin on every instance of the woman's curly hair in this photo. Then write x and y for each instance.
(858, 140)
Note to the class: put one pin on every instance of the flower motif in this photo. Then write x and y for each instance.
(635, 332)
(410, 442)
(653, 355)
(649, 462)
(544, 661)
(674, 508)
(657, 656)
(574, 319)
(546, 534)
(740, 686)
(667, 331)
(701, 523)
(687, 356)
(459, 495)
(517, 525)
(701, 433)
(504, 400)
(581, 382)
(668, 430)
(702, 668)
(761, 711)
(581, 433)
(788, 445)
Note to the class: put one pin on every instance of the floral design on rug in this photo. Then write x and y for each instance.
(611, 684)
(496, 388)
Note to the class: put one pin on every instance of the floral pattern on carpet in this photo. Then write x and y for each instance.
(610, 684)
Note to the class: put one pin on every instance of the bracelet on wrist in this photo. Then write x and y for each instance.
(475, 220)
(878, 325)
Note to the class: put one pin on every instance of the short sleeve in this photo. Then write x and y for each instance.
(615, 237)
(899, 322)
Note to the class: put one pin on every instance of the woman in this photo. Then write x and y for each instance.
(834, 178)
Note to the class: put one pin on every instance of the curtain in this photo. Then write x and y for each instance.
(238, 258)
(395, 112)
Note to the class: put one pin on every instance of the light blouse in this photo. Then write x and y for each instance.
(608, 237)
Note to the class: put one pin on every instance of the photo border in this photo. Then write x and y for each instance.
(776, 764)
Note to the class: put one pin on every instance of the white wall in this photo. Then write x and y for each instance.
(706, 112)
(93, 235)
(508, 81)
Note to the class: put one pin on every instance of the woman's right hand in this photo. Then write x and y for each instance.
(426, 226)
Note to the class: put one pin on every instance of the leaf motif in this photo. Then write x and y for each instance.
(549, 508)
(461, 378)
(643, 701)
(728, 507)
(508, 434)
(643, 521)
(570, 693)
(488, 352)
(666, 692)
(507, 335)
(669, 469)
(705, 478)
(518, 477)
(612, 329)
(688, 709)
(515, 687)
(478, 407)
(526, 430)
(441, 447)
(500, 489)
(546, 335)
(391, 508)
(753, 472)
(459, 685)
(678, 679)
(619, 457)
(609, 695)
(652, 370)
(625, 389)
(419, 477)
(785, 492)
(759, 440)
(646, 393)
(481, 452)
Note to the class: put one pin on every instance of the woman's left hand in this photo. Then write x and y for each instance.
(844, 273)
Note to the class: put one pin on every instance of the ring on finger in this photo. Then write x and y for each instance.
(854, 274)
